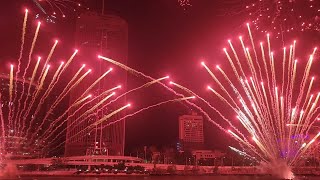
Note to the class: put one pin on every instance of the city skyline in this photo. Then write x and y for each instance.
(149, 26)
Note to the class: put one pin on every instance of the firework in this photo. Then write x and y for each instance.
(29, 114)
(184, 3)
(284, 16)
(267, 96)
(53, 9)
(267, 100)
(30, 117)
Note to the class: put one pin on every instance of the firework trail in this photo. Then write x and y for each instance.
(18, 114)
(10, 93)
(271, 107)
(265, 108)
(34, 74)
(141, 110)
(106, 117)
(242, 153)
(21, 46)
(140, 74)
(19, 60)
(39, 6)
(95, 82)
(2, 122)
(49, 55)
(136, 89)
(46, 94)
(49, 130)
(81, 118)
(58, 100)
(34, 96)
(46, 135)
(147, 108)
(26, 69)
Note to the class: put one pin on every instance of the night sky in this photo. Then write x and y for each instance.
(164, 39)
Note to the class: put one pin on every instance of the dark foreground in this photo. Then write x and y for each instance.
(170, 178)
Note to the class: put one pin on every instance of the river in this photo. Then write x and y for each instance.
(169, 178)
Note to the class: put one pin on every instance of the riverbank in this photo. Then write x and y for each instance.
(171, 171)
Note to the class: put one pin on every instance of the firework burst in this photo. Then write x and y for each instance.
(284, 16)
(32, 122)
(53, 9)
(274, 105)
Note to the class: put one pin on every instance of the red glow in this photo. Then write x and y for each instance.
(202, 63)
(110, 69)
(99, 56)
(83, 65)
(119, 86)
(167, 77)
(39, 23)
(171, 82)
(129, 105)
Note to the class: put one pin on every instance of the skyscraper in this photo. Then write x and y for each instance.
(106, 35)
(191, 131)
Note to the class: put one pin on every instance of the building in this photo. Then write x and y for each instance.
(106, 35)
(205, 156)
(191, 132)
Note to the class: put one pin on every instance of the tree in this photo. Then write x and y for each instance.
(120, 166)
(172, 169)
(57, 163)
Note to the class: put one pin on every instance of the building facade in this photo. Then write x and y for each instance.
(191, 132)
(105, 35)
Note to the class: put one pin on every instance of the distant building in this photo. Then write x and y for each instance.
(106, 35)
(191, 132)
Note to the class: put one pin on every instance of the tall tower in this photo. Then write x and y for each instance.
(106, 35)
(191, 132)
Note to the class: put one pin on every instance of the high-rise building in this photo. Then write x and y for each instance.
(106, 35)
(191, 132)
